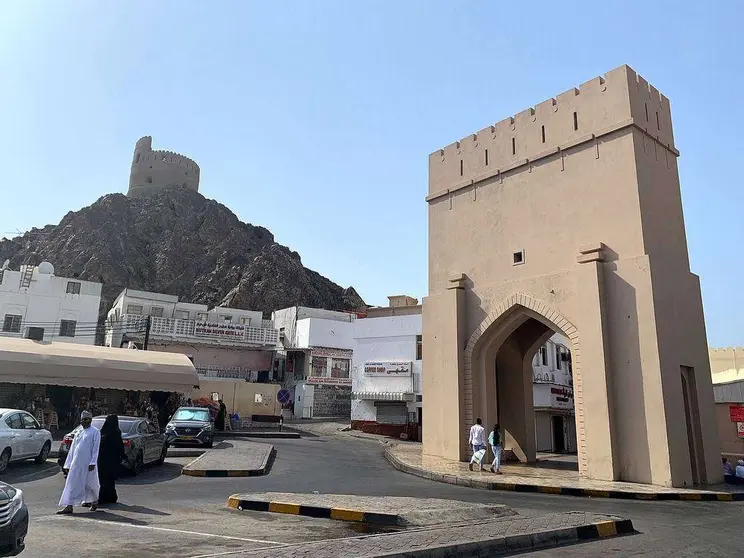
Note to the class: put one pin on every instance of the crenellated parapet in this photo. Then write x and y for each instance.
(598, 107)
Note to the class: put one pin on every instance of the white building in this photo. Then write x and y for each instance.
(37, 304)
(222, 342)
(316, 349)
(386, 396)
(553, 401)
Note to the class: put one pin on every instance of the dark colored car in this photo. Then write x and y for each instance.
(190, 425)
(13, 521)
(143, 444)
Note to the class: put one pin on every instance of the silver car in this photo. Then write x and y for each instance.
(190, 425)
(143, 444)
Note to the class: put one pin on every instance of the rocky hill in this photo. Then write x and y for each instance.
(178, 242)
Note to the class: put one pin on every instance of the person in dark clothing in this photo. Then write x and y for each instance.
(219, 421)
(109, 459)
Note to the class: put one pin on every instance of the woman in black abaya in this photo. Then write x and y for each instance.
(109, 459)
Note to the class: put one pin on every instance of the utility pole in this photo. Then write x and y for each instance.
(148, 322)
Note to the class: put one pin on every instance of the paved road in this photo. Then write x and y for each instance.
(166, 514)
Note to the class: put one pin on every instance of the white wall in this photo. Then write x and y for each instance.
(45, 303)
(315, 332)
(387, 339)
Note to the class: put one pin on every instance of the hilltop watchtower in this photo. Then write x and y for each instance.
(155, 169)
(567, 217)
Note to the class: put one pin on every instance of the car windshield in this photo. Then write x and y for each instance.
(124, 425)
(201, 415)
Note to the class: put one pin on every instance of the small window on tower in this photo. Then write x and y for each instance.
(518, 257)
(136, 159)
(514, 146)
(576, 120)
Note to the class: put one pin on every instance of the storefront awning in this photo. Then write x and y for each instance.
(23, 361)
(383, 396)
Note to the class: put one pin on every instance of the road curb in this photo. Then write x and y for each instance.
(512, 544)
(341, 514)
(264, 469)
(562, 490)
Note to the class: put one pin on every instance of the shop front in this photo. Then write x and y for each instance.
(56, 381)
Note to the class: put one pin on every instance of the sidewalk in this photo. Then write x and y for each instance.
(492, 538)
(243, 459)
(523, 478)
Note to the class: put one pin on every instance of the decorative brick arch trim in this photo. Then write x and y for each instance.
(558, 320)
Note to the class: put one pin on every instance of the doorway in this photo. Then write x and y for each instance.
(559, 445)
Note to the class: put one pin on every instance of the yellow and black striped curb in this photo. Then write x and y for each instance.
(221, 473)
(342, 514)
(563, 490)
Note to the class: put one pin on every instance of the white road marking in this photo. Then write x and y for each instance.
(167, 530)
(234, 552)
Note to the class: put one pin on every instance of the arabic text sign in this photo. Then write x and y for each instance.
(389, 369)
(736, 413)
(209, 329)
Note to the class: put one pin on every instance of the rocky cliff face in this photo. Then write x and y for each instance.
(178, 242)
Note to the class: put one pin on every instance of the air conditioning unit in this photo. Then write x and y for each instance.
(35, 333)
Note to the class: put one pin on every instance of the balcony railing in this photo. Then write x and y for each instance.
(217, 333)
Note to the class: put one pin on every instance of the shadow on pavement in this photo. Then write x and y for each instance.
(28, 470)
(224, 445)
(153, 474)
(133, 509)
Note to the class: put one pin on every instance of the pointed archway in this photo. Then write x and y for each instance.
(508, 338)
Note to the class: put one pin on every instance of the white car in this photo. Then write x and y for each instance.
(22, 437)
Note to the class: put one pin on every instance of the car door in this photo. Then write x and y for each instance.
(36, 437)
(154, 440)
(18, 444)
(144, 437)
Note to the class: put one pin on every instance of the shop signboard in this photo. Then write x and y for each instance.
(736, 413)
(740, 429)
(329, 381)
(227, 330)
(388, 369)
(561, 397)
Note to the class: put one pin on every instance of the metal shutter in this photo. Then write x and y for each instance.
(391, 412)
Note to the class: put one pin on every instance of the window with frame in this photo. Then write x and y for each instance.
(156, 311)
(227, 319)
(29, 422)
(544, 355)
(134, 309)
(14, 421)
(245, 321)
(67, 328)
(340, 368)
(319, 367)
(181, 314)
(202, 317)
(419, 347)
(12, 323)
(73, 287)
(557, 357)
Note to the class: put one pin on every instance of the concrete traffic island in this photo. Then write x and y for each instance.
(520, 478)
(428, 527)
(244, 459)
(387, 511)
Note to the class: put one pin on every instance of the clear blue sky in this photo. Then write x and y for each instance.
(315, 119)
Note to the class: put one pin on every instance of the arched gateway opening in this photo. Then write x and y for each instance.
(501, 358)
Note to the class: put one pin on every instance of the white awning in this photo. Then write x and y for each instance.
(24, 361)
(383, 395)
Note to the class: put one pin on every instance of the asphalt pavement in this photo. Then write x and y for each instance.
(163, 513)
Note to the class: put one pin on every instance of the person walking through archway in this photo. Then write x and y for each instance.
(494, 439)
(478, 441)
(109, 459)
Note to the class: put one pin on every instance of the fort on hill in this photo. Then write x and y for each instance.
(153, 170)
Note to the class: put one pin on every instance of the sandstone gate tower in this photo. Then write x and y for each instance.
(568, 217)
(156, 169)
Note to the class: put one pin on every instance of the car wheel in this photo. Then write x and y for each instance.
(139, 463)
(4, 460)
(42, 457)
(163, 454)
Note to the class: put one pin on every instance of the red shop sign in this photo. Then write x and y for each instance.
(736, 413)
